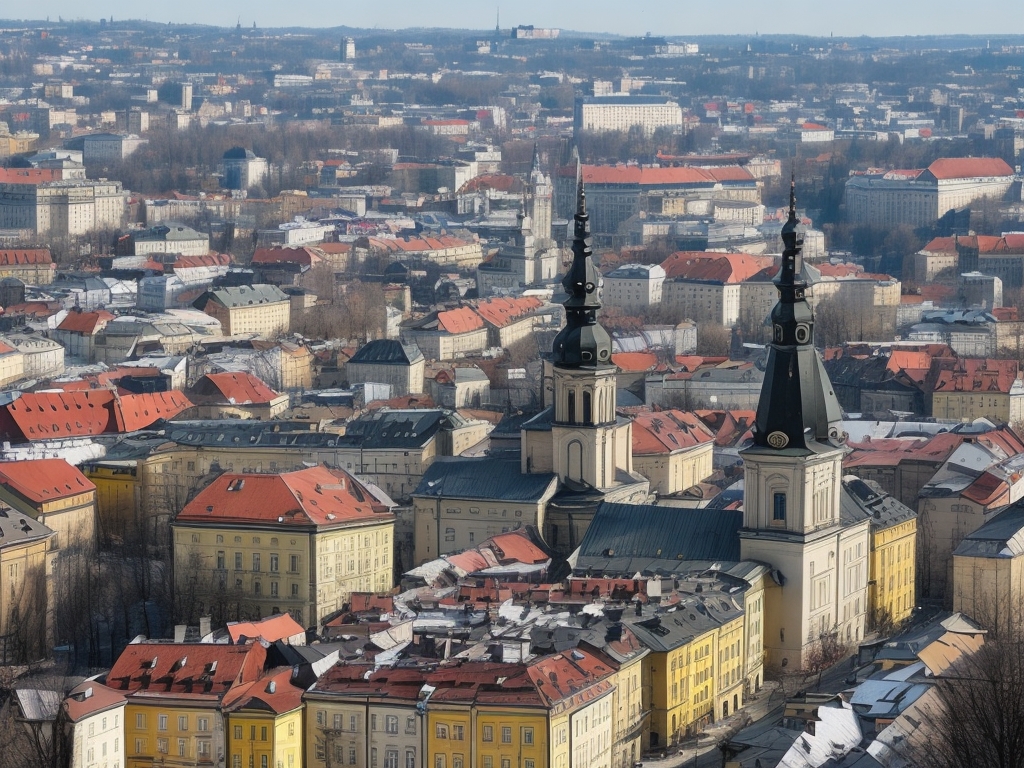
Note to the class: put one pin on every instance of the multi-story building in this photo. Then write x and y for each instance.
(299, 542)
(385, 361)
(445, 250)
(261, 309)
(448, 334)
(988, 572)
(33, 266)
(634, 287)
(56, 494)
(791, 504)
(41, 357)
(970, 388)
(710, 287)
(892, 582)
(236, 395)
(62, 208)
(242, 169)
(621, 112)
(919, 197)
(169, 238)
(672, 449)
(174, 696)
(263, 722)
(95, 715)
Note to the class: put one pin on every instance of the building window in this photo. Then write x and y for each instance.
(410, 726)
(488, 761)
(488, 733)
(321, 718)
(256, 561)
(391, 726)
(441, 731)
(439, 761)
(779, 507)
(273, 563)
(236, 761)
(238, 561)
(353, 722)
(295, 593)
(391, 758)
(293, 563)
(273, 589)
(458, 732)
(263, 733)
(161, 722)
(183, 723)
(220, 560)
(527, 735)
(238, 732)
(410, 759)
(351, 755)
(571, 405)
(506, 735)
(457, 761)
(161, 746)
(587, 408)
(257, 589)
(182, 748)
(203, 748)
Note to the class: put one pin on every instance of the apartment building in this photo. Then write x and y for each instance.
(634, 287)
(61, 208)
(264, 310)
(622, 112)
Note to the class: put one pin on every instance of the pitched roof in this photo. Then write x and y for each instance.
(969, 167)
(90, 697)
(43, 480)
(20, 256)
(190, 670)
(635, 361)
(488, 478)
(714, 267)
(1002, 536)
(273, 692)
(236, 388)
(319, 496)
(85, 322)
(673, 176)
(242, 296)
(206, 260)
(305, 256)
(137, 411)
(502, 311)
(387, 352)
(461, 320)
(667, 432)
(280, 626)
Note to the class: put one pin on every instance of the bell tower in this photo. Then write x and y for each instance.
(584, 417)
(792, 482)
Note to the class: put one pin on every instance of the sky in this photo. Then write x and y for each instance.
(659, 17)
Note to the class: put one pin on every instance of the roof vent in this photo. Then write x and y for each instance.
(272, 687)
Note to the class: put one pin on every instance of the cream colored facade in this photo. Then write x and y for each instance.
(41, 357)
(825, 563)
(308, 574)
(676, 471)
(72, 207)
(12, 366)
(612, 116)
(894, 201)
(268, 321)
(404, 378)
(97, 739)
(440, 345)
(1006, 407)
(703, 302)
(634, 286)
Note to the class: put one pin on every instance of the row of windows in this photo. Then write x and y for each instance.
(257, 561)
(458, 733)
(162, 721)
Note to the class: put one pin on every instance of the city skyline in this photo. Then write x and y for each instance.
(874, 17)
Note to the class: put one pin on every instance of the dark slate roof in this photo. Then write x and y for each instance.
(542, 421)
(239, 153)
(1002, 536)
(865, 499)
(626, 538)
(387, 352)
(488, 478)
(397, 429)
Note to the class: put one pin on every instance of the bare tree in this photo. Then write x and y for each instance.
(713, 340)
(826, 650)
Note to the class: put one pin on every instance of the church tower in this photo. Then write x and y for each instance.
(791, 506)
(584, 421)
(541, 196)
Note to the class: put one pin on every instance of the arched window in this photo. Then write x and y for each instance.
(571, 406)
(588, 411)
(574, 460)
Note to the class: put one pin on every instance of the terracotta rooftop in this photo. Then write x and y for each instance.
(502, 311)
(969, 167)
(305, 256)
(29, 175)
(635, 361)
(236, 388)
(664, 432)
(273, 628)
(416, 244)
(274, 691)
(714, 267)
(44, 480)
(679, 175)
(206, 260)
(461, 320)
(316, 496)
(17, 257)
(189, 670)
(90, 697)
(85, 322)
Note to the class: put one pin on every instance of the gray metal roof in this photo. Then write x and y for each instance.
(243, 296)
(488, 478)
(1002, 536)
(860, 499)
(387, 352)
(623, 538)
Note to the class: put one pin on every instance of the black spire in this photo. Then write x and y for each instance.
(798, 408)
(583, 342)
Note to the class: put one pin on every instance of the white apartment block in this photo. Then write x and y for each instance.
(59, 208)
(634, 286)
(620, 113)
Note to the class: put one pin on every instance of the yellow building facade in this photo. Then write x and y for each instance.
(168, 732)
(264, 725)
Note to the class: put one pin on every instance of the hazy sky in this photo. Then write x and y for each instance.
(631, 17)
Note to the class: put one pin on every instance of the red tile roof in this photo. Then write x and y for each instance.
(273, 691)
(189, 670)
(673, 176)
(43, 480)
(582, 676)
(16, 257)
(975, 375)
(714, 267)
(502, 311)
(667, 432)
(305, 256)
(236, 388)
(207, 260)
(79, 705)
(273, 628)
(416, 244)
(969, 167)
(85, 322)
(134, 412)
(461, 320)
(316, 496)
(29, 175)
(635, 361)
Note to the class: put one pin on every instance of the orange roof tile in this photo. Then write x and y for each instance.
(461, 320)
(236, 388)
(969, 167)
(667, 432)
(714, 267)
(90, 697)
(17, 257)
(305, 256)
(29, 175)
(85, 322)
(273, 628)
(134, 412)
(211, 259)
(635, 361)
(48, 415)
(186, 670)
(273, 691)
(502, 311)
(43, 480)
(318, 496)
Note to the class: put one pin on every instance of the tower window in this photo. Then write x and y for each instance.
(779, 507)
(587, 408)
(571, 405)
